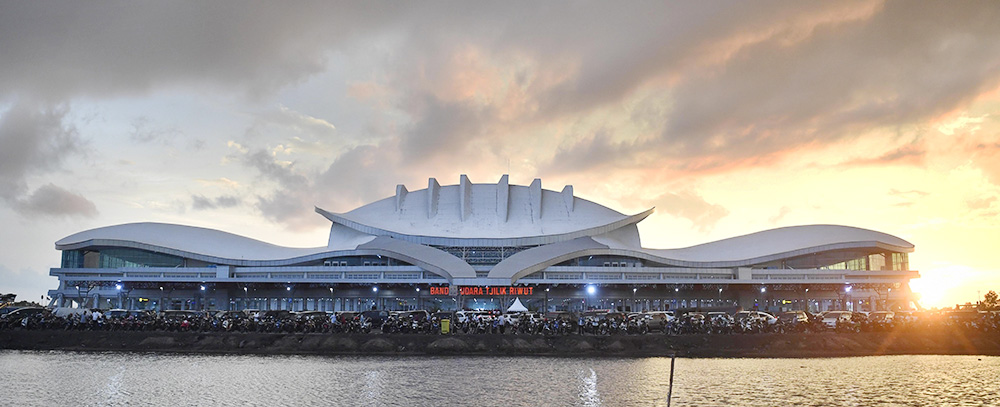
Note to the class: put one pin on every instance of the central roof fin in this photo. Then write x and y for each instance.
(400, 196)
(567, 195)
(503, 198)
(433, 191)
(535, 198)
(465, 197)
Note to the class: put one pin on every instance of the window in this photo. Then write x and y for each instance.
(121, 257)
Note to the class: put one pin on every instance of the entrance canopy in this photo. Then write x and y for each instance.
(517, 306)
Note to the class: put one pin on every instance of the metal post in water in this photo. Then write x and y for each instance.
(670, 390)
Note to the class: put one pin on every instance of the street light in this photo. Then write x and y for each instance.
(633, 297)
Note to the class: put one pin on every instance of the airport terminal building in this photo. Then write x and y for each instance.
(480, 246)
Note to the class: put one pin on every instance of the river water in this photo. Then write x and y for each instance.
(117, 379)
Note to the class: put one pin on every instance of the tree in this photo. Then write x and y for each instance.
(990, 300)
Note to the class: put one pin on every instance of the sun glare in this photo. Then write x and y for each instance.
(942, 287)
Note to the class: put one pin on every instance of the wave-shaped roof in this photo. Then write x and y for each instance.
(740, 251)
(493, 214)
(783, 241)
(189, 240)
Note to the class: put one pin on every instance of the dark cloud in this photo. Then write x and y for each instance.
(35, 140)
(200, 202)
(691, 206)
(53, 201)
(54, 49)
(742, 79)
(596, 152)
(358, 176)
(819, 83)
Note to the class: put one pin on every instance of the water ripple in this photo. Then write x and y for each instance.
(117, 379)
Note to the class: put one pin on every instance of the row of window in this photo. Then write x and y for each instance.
(124, 257)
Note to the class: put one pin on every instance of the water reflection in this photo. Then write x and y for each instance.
(373, 388)
(61, 378)
(588, 389)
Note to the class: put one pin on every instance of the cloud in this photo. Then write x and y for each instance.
(909, 154)
(690, 206)
(740, 80)
(53, 201)
(980, 202)
(200, 202)
(145, 131)
(35, 140)
(116, 50)
(778, 217)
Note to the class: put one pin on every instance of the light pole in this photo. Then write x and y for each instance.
(118, 288)
(847, 298)
(633, 299)
(546, 299)
(763, 292)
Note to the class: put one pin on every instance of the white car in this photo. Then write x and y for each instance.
(755, 315)
(834, 318)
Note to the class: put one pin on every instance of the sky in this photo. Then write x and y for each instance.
(727, 117)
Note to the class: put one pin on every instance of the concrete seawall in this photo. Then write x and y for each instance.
(759, 345)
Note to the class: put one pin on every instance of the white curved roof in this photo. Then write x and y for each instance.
(756, 246)
(492, 213)
(740, 251)
(189, 240)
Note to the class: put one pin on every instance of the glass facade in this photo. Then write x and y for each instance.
(119, 257)
(483, 256)
(72, 259)
(900, 261)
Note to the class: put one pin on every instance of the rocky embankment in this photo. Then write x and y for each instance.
(760, 345)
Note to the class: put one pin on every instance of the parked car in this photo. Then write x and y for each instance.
(794, 317)
(24, 312)
(720, 318)
(443, 315)
(881, 317)
(376, 317)
(565, 315)
(311, 314)
(755, 315)
(417, 315)
(833, 319)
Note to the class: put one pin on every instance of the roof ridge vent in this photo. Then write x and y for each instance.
(503, 198)
(465, 197)
(433, 192)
